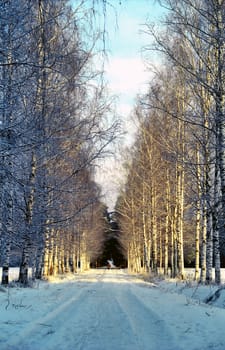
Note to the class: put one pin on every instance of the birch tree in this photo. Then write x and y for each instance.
(12, 79)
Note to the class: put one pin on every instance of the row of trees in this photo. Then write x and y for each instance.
(53, 126)
(172, 207)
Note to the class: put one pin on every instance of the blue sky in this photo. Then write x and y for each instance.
(126, 70)
(126, 73)
(131, 15)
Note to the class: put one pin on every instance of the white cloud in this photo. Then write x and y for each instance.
(124, 108)
(127, 75)
(109, 174)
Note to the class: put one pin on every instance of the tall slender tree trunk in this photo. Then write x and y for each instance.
(166, 237)
(154, 233)
(209, 204)
(220, 139)
(180, 198)
(43, 195)
(209, 249)
(198, 216)
(7, 164)
(144, 225)
(160, 248)
(173, 254)
(215, 222)
(203, 245)
(27, 249)
(46, 253)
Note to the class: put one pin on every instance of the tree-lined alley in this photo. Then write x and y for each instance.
(57, 121)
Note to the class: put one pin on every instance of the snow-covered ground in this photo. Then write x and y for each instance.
(111, 310)
(14, 273)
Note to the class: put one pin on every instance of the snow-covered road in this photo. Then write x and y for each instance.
(106, 310)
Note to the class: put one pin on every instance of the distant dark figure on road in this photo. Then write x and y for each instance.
(110, 264)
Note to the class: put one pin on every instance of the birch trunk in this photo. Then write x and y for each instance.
(203, 247)
(144, 225)
(55, 262)
(43, 198)
(219, 54)
(160, 249)
(216, 228)
(166, 238)
(209, 249)
(198, 216)
(173, 243)
(135, 257)
(46, 253)
(180, 198)
(209, 204)
(154, 233)
(7, 143)
(73, 254)
(27, 249)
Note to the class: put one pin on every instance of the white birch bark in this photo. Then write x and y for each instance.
(215, 223)
(166, 237)
(180, 180)
(203, 245)
(7, 143)
(198, 216)
(154, 233)
(144, 225)
(42, 199)
(28, 236)
(219, 52)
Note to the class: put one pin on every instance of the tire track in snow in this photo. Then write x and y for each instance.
(150, 329)
(98, 322)
(131, 325)
(80, 319)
